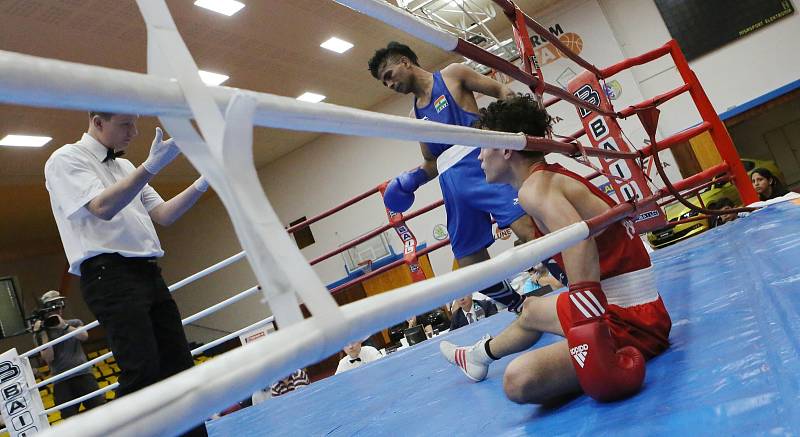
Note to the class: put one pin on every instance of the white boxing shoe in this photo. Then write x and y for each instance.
(472, 360)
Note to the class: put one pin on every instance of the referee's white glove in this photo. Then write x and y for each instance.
(201, 184)
(161, 153)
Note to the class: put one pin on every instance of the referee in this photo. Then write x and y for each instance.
(105, 209)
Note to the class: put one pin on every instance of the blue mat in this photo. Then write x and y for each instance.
(733, 369)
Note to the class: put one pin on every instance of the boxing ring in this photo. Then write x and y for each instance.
(222, 152)
(731, 368)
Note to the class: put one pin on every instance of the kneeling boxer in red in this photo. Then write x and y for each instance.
(612, 317)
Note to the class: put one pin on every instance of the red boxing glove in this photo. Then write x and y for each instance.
(605, 372)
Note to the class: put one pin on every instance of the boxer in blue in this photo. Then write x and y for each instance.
(447, 96)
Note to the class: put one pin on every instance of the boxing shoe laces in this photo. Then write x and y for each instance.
(472, 360)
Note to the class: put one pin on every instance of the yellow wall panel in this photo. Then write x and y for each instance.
(705, 150)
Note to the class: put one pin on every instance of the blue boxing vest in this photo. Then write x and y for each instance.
(443, 109)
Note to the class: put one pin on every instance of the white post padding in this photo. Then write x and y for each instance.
(21, 405)
(224, 156)
(32, 81)
(178, 403)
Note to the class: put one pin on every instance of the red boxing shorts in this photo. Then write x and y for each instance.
(635, 313)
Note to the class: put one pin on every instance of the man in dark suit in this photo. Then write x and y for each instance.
(470, 311)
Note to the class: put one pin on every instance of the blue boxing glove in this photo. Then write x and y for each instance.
(399, 194)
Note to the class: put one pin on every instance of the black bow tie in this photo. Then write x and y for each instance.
(111, 154)
(353, 360)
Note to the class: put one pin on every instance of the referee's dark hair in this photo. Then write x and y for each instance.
(103, 115)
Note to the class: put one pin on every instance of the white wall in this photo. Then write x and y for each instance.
(731, 75)
(335, 168)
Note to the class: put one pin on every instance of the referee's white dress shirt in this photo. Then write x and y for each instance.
(74, 175)
(367, 354)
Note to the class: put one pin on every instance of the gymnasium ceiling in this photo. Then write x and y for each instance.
(269, 46)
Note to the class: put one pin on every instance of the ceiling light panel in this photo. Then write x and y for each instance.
(224, 7)
(24, 141)
(311, 97)
(337, 45)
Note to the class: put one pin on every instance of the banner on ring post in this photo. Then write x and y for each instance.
(22, 407)
(604, 133)
(407, 237)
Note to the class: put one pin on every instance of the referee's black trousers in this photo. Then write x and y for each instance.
(142, 322)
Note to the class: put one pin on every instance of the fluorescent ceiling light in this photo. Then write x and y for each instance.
(311, 97)
(336, 45)
(24, 141)
(224, 7)
(212, 79)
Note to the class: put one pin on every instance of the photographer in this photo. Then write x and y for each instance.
(49, 324)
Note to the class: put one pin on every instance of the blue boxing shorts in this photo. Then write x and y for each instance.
(471, 203)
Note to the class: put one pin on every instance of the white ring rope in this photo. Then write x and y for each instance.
(212, 309)
(172, 288)
(87, 396)
(74, 370)
(58, 340)
(234, 334)
(32, 81)
(183, 400)
(197, 351)
(207, 271)
(216, 307)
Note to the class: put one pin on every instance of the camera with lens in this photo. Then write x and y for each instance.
(51, 302)
(48, 319)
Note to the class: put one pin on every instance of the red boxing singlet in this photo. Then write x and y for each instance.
(620, 248)
(635, 314)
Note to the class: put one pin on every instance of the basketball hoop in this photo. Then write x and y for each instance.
(365, 266)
